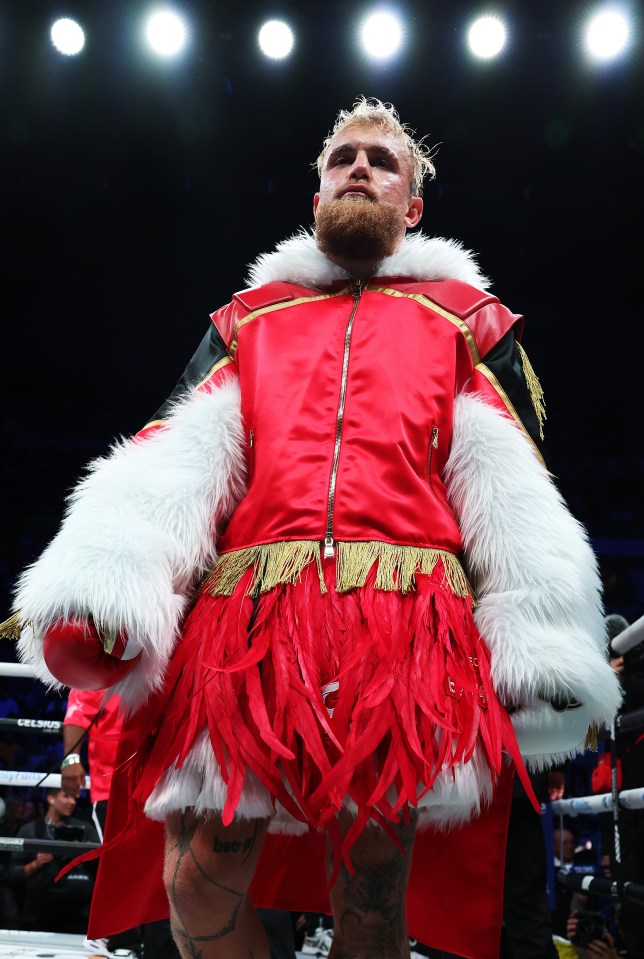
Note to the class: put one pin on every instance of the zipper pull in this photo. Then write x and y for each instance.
(329, 549)
(251, 440)
(357, 289)
(435, 437)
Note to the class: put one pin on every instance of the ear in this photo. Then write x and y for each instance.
(414, 212)
(316, 200)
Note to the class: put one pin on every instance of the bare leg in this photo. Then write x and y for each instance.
(369, 906)
(208, 868)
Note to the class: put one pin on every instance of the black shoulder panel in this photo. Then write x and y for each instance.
(505, 362)
(210, 351)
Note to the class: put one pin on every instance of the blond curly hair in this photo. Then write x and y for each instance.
(368, 111)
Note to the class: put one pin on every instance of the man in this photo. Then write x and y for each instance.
(48, 905)
(630, 756)
(358, 419)
(90, 710)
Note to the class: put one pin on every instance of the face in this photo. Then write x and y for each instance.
(62, 803)
(370, 169)
(567, 840)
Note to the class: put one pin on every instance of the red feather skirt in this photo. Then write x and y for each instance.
(366, 695)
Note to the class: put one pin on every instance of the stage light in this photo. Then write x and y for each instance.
(166, 33)
(276, 39)
(381, 35)
(607, 34)
(486, 37)
(68, 37)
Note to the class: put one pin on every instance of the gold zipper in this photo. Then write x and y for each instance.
(329, 547)
(433, 445)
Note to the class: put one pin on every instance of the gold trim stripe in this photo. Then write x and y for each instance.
(494, 383)
(435, 308)
(219, 365)
(279, 306)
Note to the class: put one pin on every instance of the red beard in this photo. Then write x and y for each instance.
(357, 228)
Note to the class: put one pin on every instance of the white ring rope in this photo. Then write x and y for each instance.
(42, 725)
(16, 844)
(632, 636)
(17, 669)
(628, 799)
(16, 777)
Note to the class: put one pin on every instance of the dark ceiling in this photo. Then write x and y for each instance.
(135, 191)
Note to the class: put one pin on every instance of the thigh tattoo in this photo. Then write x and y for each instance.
(374, 898)
(183, 847)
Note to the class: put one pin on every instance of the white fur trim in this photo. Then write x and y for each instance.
(456, 796)
(138, 530)
(298, 260)
(198, 783)
(534, 572)
(545, 735)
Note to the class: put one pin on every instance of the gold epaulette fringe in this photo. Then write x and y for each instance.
(535, 389)
(591, 738)
(11, 627)
(274, 564)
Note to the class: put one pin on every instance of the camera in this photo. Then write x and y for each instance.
(590, 925)
(69, 833)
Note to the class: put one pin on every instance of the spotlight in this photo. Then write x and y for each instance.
(276, 39)
(166, 33)
(68, 37)
(381, 35)
(607, 34)
(486, 37)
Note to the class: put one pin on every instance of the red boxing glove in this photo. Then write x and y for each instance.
(74, 654)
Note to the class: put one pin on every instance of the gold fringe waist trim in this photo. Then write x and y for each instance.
(275, 564)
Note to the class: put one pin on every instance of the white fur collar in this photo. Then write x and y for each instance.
(298, 260)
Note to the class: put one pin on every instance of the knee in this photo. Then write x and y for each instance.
(189, 882)
(207, 867)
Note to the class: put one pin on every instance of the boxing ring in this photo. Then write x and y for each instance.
(610, 802)
(34, 945)
(47, 945)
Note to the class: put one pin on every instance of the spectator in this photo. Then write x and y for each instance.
(48, 905)
(630, 753)
(603, 947)
(527, 920)
(8, 903)
(90, 710)
(565, 843)
(85, 709)
(568, 857)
